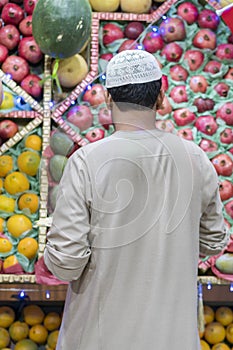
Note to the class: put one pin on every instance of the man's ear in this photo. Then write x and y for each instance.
(108, 98)
(160, 98)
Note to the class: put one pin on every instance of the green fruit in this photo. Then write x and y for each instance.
(56, 166)
(225, 263)
(60, 143)
(53, 196)
(61, 28)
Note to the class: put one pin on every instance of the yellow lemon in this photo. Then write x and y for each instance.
(28, 247)
(16, 182)
(28, 162)
(7, 204)
(29, 201)
(33, 142)
(7, 317)
(8, 101)
(5, 245)
(18, 224)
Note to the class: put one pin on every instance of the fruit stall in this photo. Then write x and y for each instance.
(53, 78)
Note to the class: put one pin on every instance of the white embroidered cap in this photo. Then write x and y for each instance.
(132, 67)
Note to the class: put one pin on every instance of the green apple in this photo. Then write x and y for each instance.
(72, 70)
(225, 263)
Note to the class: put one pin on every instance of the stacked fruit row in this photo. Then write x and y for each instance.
(19, 205)
(31, 328)
(20, 56)
(218, 333)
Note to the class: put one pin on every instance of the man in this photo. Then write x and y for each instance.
(132, 211)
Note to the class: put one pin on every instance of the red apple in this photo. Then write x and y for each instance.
(225, 189)
(3, 3)
(179, 94)
(172, 29)
(31, 84)
(9, 36)
(17, 67)
(206, 124)
(223, 164)
(153, 42)
(29, 49)
(128, 44)
(133, 30)
(186, 134)
(205, 39)
(226, 136)
(213, 67)
(165, 125)
(105, 117)
(194, 58)
(95, 95)
(25, 26)
(229, 208)
(166, 107)
(222, 89)
(8, 129)
(198, 83)
(208, 145)
(188, 12)
(225, 112)
(165, 82)
(229, 74)
(178, 73)
(3, 53)
(224, 51)
(203, 104)
(183, 116)
(172, 52)
(106, 56)
(208, 19)
(111, 32)
(95, 135)
(29, 6)
(80, 116)
(12, 14)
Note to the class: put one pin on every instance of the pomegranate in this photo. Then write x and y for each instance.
(172, 52)
(178, 73)
(194, 58)
(188, 12)
(172, 29)
(225, 51)
(206, 124)
(225, 112)
(205, 39)
(208, 19)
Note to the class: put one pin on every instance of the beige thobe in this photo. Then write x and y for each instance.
(133, 213)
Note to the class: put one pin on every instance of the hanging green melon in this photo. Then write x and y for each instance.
(61, 27)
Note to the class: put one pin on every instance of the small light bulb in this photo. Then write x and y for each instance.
(139, 47)
(51, 104)
(209, 286)
(231, 287)
(103, 76)
(47, 294)
(22, 294)
(164, 17)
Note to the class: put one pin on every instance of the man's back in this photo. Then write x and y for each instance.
(146, 196)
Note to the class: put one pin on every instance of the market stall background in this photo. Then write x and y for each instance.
(52, 107)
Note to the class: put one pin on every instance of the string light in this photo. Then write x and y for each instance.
(73, 102)
(22, 295)
(155, 29)
(139, 47)
(103, 76)
(164, 17)
(47, 294)
(51, 104)
(209, 286)
(231, 287)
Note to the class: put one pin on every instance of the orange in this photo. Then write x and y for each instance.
(16, 182)
(28, 162)
(6, 165)
(4, 338)
(33, 142)
(18, 224)
(204, 345)
(52, 339)
(224, 315)
(208, 314)
(7, 317)
(33, 314)
(229, 333)
(26, 344)
(7, 204)
(38, 333)
(221, 346)
(29, 201)
(2, 221)
(52, 321)
(5, 245)
(10, 261)
(28, 247)
(214, 333)
(18, 331)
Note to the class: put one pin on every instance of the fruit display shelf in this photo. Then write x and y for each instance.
(52, 116)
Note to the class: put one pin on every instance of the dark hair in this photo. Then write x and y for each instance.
(142, 94)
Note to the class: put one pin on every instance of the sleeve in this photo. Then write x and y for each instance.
(214, 235)
(67, 250)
